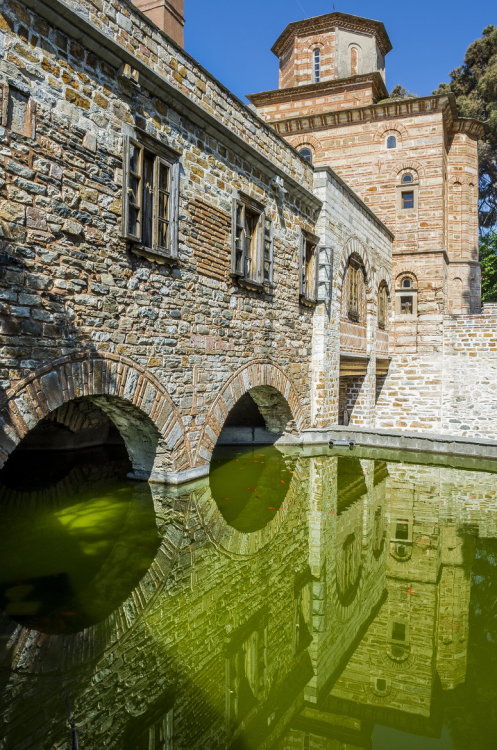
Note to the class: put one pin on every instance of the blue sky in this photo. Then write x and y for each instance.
(232, 38)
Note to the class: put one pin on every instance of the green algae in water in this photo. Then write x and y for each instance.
(367, 619)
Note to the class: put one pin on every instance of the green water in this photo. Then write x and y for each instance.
(288, 601)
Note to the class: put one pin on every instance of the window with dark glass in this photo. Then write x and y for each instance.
(151, 176)
(398, 631)
(391, 141)
(407, 178)
(306, 153)
(407, 199)
(402, 530)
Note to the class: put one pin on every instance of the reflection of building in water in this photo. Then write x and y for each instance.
(348, 609)
(412, 647)
(214, 654)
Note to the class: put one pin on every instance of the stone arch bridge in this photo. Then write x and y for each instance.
(163, 443)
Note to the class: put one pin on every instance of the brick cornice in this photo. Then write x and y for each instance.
(385, 109)
(276, 96)
(328, 22)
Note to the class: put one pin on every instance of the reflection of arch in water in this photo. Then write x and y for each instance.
(72, 553)
(249, 488)
(133, 400)
(31, 652)
(273, 393)
(241, 543)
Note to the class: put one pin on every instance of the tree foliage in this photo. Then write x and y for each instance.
(488, 260)
(474, 85)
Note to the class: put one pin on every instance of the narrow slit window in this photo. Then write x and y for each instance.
(316, 56)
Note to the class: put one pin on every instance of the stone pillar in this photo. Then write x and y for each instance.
(168, 15)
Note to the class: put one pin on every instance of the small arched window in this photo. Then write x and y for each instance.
(316, 61)
(407, 178)
(406, 295)
(355, 292)
(391, 141)
(306, 154)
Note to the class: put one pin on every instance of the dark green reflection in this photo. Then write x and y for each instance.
(72, 550)
(250, 485)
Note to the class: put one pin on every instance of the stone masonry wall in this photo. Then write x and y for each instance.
(72, 288)
(453, 391)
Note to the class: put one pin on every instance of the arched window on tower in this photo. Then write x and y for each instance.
(316, 61)
(391, 141)
(306, 154)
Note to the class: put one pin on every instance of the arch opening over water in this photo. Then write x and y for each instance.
(261, 416)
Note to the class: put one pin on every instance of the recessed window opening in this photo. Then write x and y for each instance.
(407, 199)
(402, 530)
(391, 141)
(406, 305)
(407, 178)
(316, 57)
(406, 283)
(381, 684)
(306, 153)
(354, 61)
(382, 306)
(398, 631)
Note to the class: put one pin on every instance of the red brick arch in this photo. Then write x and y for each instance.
(133, 399)
(256, 373)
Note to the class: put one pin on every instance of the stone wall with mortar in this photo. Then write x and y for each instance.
(84, 315)
(450, 391)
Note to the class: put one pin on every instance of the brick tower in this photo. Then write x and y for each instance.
(168, 15)
(413, 161)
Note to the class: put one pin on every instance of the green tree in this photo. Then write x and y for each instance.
(488, 260)
(474, 85)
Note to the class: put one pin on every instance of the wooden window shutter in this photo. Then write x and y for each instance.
(302, 264)
(268, 250)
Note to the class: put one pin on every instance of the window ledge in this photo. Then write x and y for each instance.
(153, 253)
(253, 286)
(307, 301)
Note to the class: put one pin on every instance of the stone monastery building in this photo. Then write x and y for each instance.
(189, 269)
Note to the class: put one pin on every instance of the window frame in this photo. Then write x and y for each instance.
(316, 65)
(261, 251)
(29, 124)
(352, 276)
(308, 267)
(162, 157)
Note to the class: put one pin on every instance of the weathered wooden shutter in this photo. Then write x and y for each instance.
(132, 190)
(302, 268)
(268, 250)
